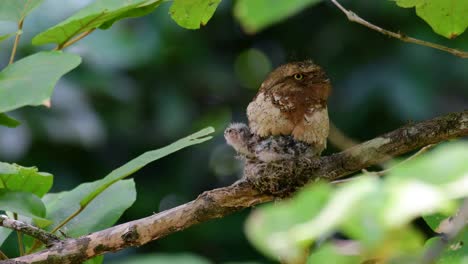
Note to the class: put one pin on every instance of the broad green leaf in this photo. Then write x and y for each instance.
(15, 10)
(24, 179)
(267, 228)
(448, 18)
(104, 211)
(22, 203)
(98, 13)
(405, 203)
(192, 14)
(8, 121)
(180, 258)
(448, 160)
(31, 80)
(255, 15)
(142, 160)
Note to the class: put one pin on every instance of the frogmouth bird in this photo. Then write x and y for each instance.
(292, 101)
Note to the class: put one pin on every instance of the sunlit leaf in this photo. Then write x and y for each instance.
(448, 18)
(328, 253)
(142, 160)
(31, 80)
(375, 212)
(8, 121)
(192, 14)
(267, 228)
(24, 179)
(100, 13)
(255, 15)
(15, 10)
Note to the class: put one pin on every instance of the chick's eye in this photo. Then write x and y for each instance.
(298, 76)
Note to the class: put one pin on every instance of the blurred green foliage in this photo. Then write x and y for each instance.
(374, 213)
(145, 82)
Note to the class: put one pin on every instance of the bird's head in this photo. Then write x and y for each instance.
(301, 76)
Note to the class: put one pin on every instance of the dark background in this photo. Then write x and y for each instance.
(147, 82)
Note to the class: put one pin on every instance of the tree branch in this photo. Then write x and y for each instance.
(353, 17)
(250, 191)
(46, 238)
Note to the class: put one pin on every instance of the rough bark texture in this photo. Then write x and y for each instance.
(262, 183)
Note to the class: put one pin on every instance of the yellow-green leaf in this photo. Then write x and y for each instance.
(192, 14)
(448, 18)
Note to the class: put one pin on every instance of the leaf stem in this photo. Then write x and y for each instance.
(37, 243)
(73, 40)
(17, 38)
(70, 217)
(353, 17)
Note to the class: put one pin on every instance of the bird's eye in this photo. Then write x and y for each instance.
(298, 76)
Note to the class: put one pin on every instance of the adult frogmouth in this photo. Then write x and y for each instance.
(293, 101)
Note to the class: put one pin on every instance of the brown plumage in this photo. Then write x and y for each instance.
(293, 101)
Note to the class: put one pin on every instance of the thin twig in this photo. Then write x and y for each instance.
(17, 38)
(340, 139)
(74, 40)
(353, 17)
(383, 172)
(458, 222)
(43, 236)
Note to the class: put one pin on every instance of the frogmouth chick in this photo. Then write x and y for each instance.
(293, 101)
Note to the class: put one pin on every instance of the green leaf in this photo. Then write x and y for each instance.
(374, 212)
(455, 253)
(99, 13)
(22, 203)
(183, 258)
(448, 18)
(103, 212)
(14, 177)
(31, 80)
(192, 14)
(267, 228)
(15, 10)
(147, 157)
(255, 15)
(434, 220)
(139, 11)
(8, 121)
